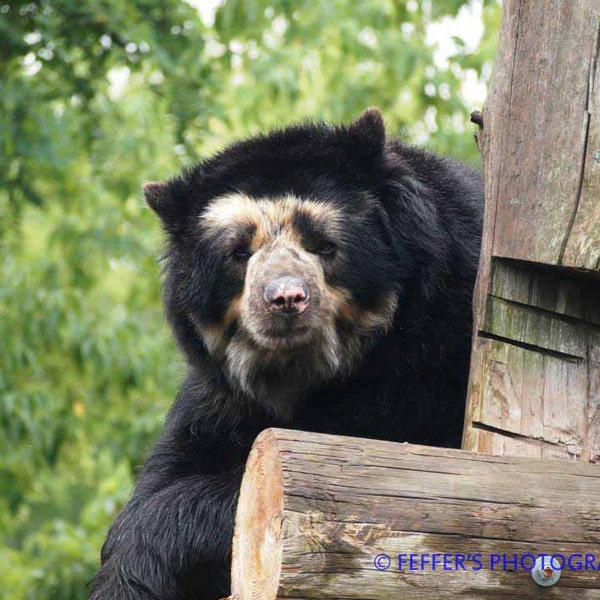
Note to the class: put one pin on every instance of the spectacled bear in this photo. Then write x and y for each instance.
(317, 278)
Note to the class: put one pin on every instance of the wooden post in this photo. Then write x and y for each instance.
(535, 373)
(316, 510)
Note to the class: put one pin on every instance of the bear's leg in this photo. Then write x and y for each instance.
(172, 544)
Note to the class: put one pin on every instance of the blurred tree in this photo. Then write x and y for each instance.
(97, 96)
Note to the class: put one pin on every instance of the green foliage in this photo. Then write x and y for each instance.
(97, 96)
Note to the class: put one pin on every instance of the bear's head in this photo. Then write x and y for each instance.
(283, 265)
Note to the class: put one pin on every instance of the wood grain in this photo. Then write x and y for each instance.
(534, 382)
(327, 505)
(548, 174)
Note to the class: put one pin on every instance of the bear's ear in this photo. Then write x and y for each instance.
(167, 201)
(368, 131)
(157, 195)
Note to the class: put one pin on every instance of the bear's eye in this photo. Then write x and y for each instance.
(326, 249)
(241, 253)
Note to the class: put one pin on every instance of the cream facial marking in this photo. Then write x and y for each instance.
(269, 217)
(214, 334)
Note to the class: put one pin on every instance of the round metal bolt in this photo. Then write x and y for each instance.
(546, 571)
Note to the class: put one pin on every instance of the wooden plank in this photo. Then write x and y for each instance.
(533, 385)
(547, 124)
(559, 291)
(315, 510)
(535, 327)
(521, 410)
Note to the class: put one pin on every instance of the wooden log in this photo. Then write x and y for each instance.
(535, 365)
(316, 510)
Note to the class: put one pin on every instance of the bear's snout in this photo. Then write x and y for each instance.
(286, 296)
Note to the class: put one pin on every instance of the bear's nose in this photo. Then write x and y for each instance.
(286, 296)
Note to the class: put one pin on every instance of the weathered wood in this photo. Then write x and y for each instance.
(548, 171)
(535, 373)
(315, 510)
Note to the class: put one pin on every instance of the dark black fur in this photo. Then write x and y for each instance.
(172, 541)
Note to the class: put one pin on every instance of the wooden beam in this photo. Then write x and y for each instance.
(316, 510)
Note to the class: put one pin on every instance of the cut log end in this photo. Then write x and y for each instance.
(257, 543)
